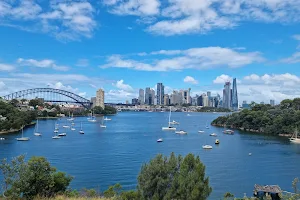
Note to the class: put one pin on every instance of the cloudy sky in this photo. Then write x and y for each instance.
(124, 45)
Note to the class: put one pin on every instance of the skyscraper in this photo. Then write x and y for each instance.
(166, 100)
(235, 101)
(148, 98)
(141, 96)
(205, 100)
(160, 94)
(152, 96)
(209, 94)
(100, 98)
(227, 95)
(272, 102)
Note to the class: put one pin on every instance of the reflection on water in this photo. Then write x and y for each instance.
(102, 157)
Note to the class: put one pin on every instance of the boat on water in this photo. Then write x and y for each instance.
(66, 126)
(217, 141)
(73, 129)
(181, 132)
(102, 124)
(294, 138)
(213, 134)
(2, 138)
(56, 137)
(36, 129)
(174, 122)
(70, 118)
(23, 138)
(207, 147)
(81, 131)
(62, 134)
(228, 131)
(169, 128)
(107, 119)
(92, 118)
(200, 131)
(160, 140)
(188, 115)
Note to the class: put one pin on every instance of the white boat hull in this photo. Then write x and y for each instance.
(62, 134)
(207, 147)
(81, 132)
(37, 134)
(23, 139)
(102, 126)
(55, 137)
(295, 141)
(168, 129)
(181, 132)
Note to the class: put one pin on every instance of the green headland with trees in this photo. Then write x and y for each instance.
(282, 119)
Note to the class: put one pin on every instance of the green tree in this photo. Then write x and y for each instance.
(113, 191)
(23, 100)
(228, 195)
(286, 104)
(173, 178)
(33, 178)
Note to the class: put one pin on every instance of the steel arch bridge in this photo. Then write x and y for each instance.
(51, 96)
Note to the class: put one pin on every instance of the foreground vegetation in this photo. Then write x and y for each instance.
(272, 120)
(173, 177)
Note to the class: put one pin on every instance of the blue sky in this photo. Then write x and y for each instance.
(124, 45)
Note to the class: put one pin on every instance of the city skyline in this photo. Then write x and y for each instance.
(121, 46)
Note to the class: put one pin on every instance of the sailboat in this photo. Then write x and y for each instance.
(70, 118)
(63, 134)
(207, 127)
(102, 125)
(81, 131)
(107, 119)
(294, 138)
(55, 132)
(23, 138)
(169, 128)
(36, 130)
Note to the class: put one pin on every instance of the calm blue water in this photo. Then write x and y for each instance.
(102, 157)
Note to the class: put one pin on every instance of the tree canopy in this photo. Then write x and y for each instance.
(32, 178)
(173, 177)
(106, 111)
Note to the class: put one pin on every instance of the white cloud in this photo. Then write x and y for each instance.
(2, 84)
(222, 79)
(117, 96)
(6, 67)
(93, 86)
(295, 58)
(46, 63)
(82, 63)
(133, 7)
(296, 37)
(252, 77)
(63, 20)
(189, 79)
(195, 58)
(122, 86)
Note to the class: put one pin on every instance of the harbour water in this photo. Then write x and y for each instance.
(103, 157)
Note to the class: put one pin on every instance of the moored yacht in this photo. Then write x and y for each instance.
(169, 128)
(294, 138)
(23, 138)
(181, 132)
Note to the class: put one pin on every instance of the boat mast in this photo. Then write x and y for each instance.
(170, 116)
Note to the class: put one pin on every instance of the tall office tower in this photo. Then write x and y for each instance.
(235, 101)
(209, 94)
(148, 98)
(205, 100)
(166, 100)
(160, 92)
(100, 98)
(186, 96)
(200, 101)
(227, 95)
(272, 102)
(152, 96)
(141, 96)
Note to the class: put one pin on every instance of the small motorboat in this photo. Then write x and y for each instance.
(55, 131)
(213, 134)
(73, 129)
(160, 140)
(229, 132)
(23, 139)
(174, 122)
(200, 131)
(107, 119)
(81, 132)
(37, 134)
(181, 132)
(207, 147)
(65, 126)
(2, 138)
(102, 126)
(217, 141)
(55, 137)
(207, 127)
(62, 134)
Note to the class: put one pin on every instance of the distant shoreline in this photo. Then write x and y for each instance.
(16, 130)
(253, 131)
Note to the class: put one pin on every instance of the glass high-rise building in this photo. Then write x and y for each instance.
(148, 96)
(227, 95)
(235, 101)
(160, 93)
(141, 96)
